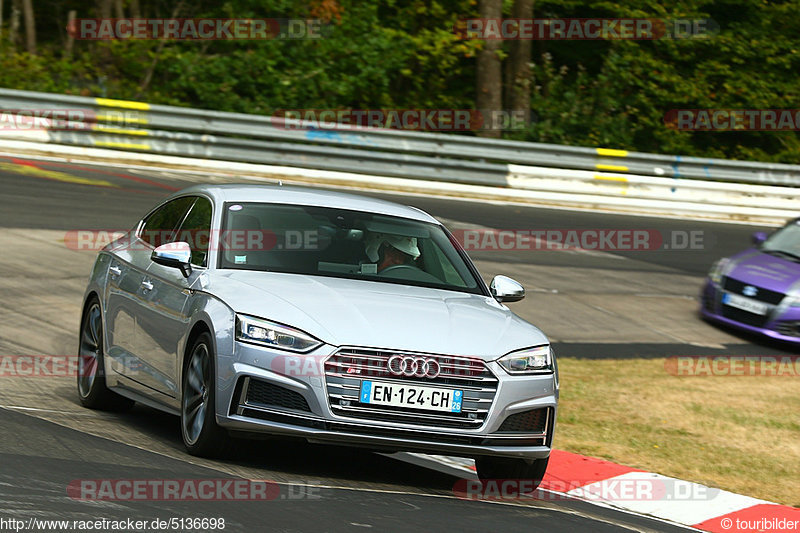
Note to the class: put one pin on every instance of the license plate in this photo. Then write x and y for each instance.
(411, 396)
(745, 304)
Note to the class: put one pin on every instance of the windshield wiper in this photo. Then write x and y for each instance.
(790, 255)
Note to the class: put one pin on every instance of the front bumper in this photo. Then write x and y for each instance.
(781, 323)
(308, 408)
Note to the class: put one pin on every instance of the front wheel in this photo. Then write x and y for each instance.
(201, 434)
(92, 390)
(508, 468)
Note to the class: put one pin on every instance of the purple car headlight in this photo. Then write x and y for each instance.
(719, 269)
(793, 295)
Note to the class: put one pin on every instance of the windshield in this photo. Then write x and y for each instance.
(339, 243)
(784, 241)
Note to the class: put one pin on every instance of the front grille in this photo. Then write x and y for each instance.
(533, 421)
(763, 295)
(790, 328)
(751, 319)
(345, 370)
(263, 393)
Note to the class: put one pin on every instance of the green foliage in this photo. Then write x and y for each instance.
(405, 54)
(616, 94)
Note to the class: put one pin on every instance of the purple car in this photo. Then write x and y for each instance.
(758, 290)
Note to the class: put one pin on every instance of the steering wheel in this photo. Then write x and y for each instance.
(397, 268)
(409, 273)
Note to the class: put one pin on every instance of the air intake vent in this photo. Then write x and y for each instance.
(533, 421)
(262, 393)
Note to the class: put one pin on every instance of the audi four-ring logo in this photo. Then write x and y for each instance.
(418, 367)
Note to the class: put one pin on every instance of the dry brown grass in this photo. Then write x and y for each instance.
(740, 434)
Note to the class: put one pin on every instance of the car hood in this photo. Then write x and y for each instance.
(763, 270)
(345, 312)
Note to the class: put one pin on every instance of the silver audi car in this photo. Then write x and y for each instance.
(321, 315)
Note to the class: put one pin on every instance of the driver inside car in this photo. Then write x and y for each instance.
(391, 250)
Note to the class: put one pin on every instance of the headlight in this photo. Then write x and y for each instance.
(793, 295)
(537, 360)
(266, 333)
(718, 269)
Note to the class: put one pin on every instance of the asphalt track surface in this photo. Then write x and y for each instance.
(42, 451)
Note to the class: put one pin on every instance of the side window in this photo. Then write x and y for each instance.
(196, 230)
(160, 225)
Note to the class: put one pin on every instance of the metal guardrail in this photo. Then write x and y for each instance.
(169, 130)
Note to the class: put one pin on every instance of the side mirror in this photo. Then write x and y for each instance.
(174, 255)
(759, 237)
(505, 289)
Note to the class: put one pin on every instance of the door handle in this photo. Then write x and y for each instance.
(115, 271)
(147, 286)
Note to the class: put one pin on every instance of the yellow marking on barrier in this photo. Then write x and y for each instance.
(36, 172)
(610, 152)
(123, 104)
(614, 168)
(124, 120)
(120, 131)
(622, 180)
(611, 178)
(122, 145)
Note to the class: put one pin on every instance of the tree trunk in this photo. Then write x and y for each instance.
(519, 79)
(489, 73)
(70, 34)
(30, 26)
(104, 9)
(13, 30)
(118, 11)
(136, 11)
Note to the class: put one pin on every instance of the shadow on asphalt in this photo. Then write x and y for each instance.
(286, 456)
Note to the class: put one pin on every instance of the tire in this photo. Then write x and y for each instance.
(508, 468)
(201, 434)
(92, 390)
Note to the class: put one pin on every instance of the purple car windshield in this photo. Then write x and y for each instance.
(785, 241)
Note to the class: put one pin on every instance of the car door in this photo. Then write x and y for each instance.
(120, 309)
(129, 290)
(162, 318)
